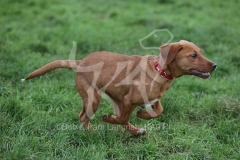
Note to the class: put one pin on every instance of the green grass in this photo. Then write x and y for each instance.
(39, 118)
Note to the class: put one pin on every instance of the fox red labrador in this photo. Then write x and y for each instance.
(131, 81)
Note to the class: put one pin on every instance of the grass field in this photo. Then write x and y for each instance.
(39, 118)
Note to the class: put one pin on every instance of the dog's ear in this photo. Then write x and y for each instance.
(169, 51)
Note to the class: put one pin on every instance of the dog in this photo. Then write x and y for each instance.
(131, 81)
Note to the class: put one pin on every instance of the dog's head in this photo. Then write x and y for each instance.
(186, 58)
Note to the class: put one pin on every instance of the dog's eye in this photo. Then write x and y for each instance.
(194, 55)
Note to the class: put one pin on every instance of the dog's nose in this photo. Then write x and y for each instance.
(214, 65)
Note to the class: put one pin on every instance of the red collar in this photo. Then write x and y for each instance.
(161, 71)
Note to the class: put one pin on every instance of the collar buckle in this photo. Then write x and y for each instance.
(163, 74)
(161, 71)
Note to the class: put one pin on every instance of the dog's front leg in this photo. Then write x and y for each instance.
(126, 125)
(156, 111)
(123, 120)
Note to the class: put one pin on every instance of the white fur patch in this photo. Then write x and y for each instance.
(22, 80)
(153, 101)
(150, 103)
(141, 131)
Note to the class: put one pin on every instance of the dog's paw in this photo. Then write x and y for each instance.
(105, 117)
(141, 131)
(140, 111)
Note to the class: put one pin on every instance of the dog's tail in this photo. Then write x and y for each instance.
(70, 64)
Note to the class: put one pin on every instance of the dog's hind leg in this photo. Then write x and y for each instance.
(90, 106)
(91, 100)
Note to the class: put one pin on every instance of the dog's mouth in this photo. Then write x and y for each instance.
(200, 74)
